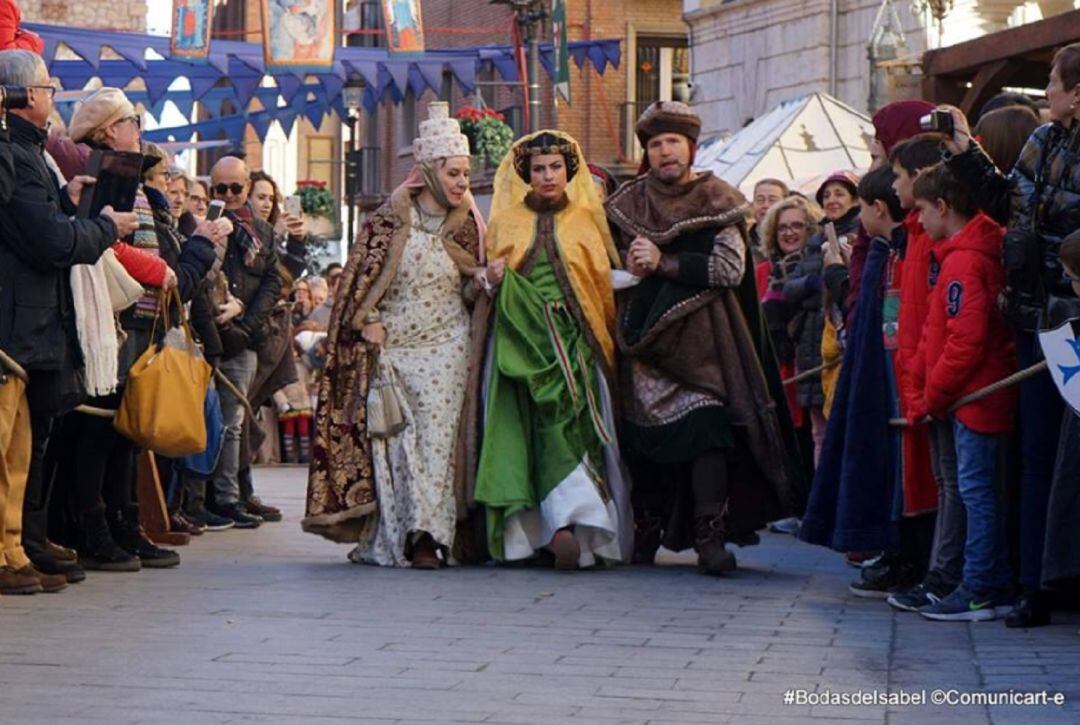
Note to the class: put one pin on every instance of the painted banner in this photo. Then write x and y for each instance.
(404, 26)
(191, 22)
(299, 35)
(561, 53)
(1062, 352)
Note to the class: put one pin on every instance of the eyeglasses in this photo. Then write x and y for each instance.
(198, 199)
(793, 228)
(50, 90)
(234, 189)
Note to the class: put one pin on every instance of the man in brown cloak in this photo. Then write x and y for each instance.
(711, 451)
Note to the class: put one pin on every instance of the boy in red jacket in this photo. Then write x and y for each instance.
(967, 345)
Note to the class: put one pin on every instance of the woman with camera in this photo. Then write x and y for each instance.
(1039, 202)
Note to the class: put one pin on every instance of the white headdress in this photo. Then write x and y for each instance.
(440, 136)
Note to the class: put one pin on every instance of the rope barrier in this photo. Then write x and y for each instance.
(13, 367)
(979, 394)
(812, 372)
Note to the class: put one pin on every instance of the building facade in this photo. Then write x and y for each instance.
(750, 55)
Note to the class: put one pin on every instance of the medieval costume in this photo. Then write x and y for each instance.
(408, 271)
(707, 435)
(549, 463)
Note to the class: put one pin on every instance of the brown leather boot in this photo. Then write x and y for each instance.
(710, 533)
(566, 549)
(424, 554)
(16, 582)
(49, 582)
(648, 533)
(60, 553)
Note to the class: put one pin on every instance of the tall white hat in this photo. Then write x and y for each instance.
(440, 136)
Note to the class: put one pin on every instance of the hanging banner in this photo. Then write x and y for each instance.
(298, 35)
(561, 54)
(404, 26)
(1062, 352)
(191, 22)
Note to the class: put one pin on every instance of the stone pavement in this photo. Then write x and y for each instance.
(275, 626)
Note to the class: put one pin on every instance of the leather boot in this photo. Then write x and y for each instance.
(424, 553)
(1031, 610)
(97, 550)
(648, 533)
(17, 582)
(49, 582)
(128, 533)
(710, 533)
(60, 553)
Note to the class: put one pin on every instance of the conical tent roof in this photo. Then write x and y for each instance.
(798, 141)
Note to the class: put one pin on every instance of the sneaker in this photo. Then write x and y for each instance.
(789, 525)
(128, 533)
(880, 583)
(921, 595)
(60, 553)
(178, 523)
(208, 520)
(256, 507)
(859, 559)
(241, 517)
(963, 606)
(70, 570)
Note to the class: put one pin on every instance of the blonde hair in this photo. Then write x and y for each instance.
(813, 213)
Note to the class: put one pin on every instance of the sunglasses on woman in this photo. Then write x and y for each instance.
(234, 189)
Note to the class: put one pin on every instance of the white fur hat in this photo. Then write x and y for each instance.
(440, 136)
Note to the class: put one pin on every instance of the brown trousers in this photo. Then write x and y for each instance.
(14, 465)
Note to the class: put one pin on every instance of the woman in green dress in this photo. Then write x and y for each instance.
(550, 474)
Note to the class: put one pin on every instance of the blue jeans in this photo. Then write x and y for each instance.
(947, 556)
(240, 370)
(986, 567)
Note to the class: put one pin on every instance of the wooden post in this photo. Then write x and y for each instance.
(153, 512)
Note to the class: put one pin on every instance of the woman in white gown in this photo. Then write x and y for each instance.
(390, 400)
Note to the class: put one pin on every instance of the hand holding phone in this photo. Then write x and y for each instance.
(294, 206)
(217, 208)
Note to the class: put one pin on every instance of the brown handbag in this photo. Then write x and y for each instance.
(162, 408)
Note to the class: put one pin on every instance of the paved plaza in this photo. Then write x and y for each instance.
(275, 626)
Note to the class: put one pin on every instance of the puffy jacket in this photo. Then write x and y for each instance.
(39, 243)
(1051, 160)
(920, 271)
(802, 290)
(12, 36)
(966, 343)
(190, 258)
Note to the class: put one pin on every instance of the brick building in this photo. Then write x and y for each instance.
(655, 66)
(99, 14)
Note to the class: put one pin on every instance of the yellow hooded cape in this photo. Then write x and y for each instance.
(584, 240)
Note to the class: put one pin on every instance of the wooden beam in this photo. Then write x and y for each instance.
(1045, 34)
(991, 77)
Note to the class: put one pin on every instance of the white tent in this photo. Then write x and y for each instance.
(800, 142)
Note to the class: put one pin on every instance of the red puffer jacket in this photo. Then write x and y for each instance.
(914, 307)
(966, 343)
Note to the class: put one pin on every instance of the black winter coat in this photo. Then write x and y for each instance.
(1042, 195)
(255, 281)
(39, 244)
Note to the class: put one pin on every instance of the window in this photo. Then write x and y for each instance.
(366, 16)
(661, 73)
(322, 161)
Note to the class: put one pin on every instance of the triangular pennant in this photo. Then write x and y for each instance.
(233, 126)
(507, 67)
(371, 101)
(433, 74)
(268, 97)
(417, 82)
(201, 86)
(66, 111)
(287, 119)
(184, 102)
(156, 86)
(133, 53)
(332, 85)
(314, 113)
(49, 53)
(399, 72)
(218, 61)
(613, 51)
(465, 72)
(598, 57)
(288, 85)
(547, 60)
(211, 102)
(87, 49)
(260, 124)
(155, 109)
(245, 87)
(578, 53)
(369, 69)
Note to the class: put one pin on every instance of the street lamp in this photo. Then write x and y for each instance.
(530, 15)
(353, 96)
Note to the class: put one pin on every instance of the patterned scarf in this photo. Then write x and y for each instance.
(146, 239)
(251, 245)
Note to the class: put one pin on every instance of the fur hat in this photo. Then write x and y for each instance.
(101, 109)
(668, 117)
(440, 136)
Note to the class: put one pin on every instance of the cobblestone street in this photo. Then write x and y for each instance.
(275, 626)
